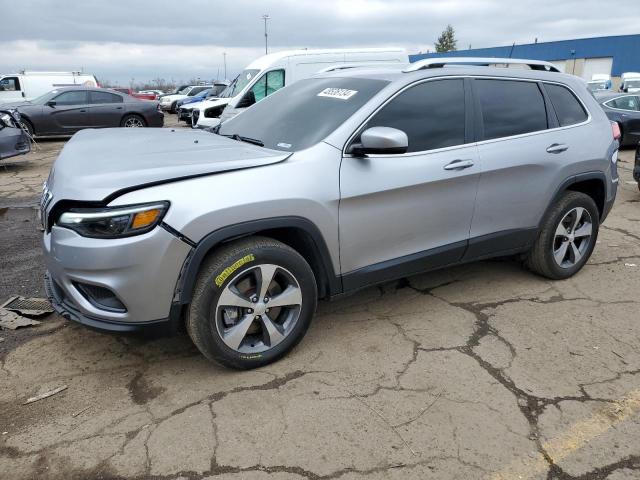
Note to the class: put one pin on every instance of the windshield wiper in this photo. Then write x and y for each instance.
(240, 138)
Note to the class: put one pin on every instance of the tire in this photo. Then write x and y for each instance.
(243, 336)
(133, 121)
(546, 258)
(174, 107)
(26, 124)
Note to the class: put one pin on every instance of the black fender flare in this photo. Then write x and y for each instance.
(573, 179)
(189, 272)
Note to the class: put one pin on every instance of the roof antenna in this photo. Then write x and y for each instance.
(512, 47)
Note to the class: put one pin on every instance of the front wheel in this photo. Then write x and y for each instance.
(253, 302)
(567, 238)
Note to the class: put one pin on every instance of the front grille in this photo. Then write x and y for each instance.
(100, 297)
(28, 306)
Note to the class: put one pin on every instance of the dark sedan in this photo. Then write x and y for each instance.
(64, 111)
(13, 139)
(625, 110)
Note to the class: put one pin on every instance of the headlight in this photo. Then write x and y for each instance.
(115, 222)
(5, 119)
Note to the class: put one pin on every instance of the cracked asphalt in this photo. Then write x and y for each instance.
(483, 371)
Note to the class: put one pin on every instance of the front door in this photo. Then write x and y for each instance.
(68, 114)
(404, 213)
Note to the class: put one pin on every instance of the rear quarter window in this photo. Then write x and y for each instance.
(568, 108)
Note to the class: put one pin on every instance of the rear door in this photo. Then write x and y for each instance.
(404, 213)
(69, 114)
(524, 153)
(11, 89)
(105, 109)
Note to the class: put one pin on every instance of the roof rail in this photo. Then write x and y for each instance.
(437, 62)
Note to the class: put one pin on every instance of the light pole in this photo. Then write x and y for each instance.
(224, 59)
(265, 17)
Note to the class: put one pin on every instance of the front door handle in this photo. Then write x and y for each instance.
(459, 165)
(83, 111)
(118, 108)
(557, 148)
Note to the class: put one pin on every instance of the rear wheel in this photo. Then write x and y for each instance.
(253, 302)
(133, 121)
(567, 237)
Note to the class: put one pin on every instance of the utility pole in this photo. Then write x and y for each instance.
(224, 59)
(265, 17)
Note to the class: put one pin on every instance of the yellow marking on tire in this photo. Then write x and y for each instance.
(220, 279)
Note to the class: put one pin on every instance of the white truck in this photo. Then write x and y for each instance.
(16, 87)
(270, 73)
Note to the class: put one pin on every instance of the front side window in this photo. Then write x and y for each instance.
(510, 107)
(75, 97)
(104, 97)
(269, 83)
(432, 114)
(10, 84)
(568, 109)
(624, 103)
(304, 113)
(196, 90)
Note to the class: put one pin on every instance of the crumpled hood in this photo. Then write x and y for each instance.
(95, 164)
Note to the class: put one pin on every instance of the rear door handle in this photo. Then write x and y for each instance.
(83, 111)
(458, 165)
(118, 108)
(557, 148)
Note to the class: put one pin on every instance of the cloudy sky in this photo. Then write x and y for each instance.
(121, 40)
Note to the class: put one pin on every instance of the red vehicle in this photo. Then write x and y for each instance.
(142, 96)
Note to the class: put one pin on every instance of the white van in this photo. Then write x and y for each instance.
(270, 73)
(630, 82)
(22, 86)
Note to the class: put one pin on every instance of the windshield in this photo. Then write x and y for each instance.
(301, 115)
(632, 84)
(184, 91)
(42, 99)
(239, 83)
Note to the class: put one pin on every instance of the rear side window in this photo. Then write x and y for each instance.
(568, 109)
(431, 114)
(104, 97)
(624, 103)
(510, 107)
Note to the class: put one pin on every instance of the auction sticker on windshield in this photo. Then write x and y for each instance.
(340, 93)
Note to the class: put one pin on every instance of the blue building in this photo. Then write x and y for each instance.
(583, 57)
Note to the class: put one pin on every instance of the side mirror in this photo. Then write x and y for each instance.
(381, 140)
(51, 103)
(248, 100)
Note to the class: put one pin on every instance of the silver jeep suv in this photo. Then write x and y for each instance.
(335, 183)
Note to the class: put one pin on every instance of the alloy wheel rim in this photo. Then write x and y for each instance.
(572, 237)
(258, 309)
(133, 123)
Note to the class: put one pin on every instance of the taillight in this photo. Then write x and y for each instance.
(615, 127)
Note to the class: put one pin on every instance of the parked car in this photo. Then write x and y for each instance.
(139, 95)
(18, 87)
(270, 73)
(139, 238)
(630, 82)
(157, 93)
(64, 111)
(625, 111)
(175, 91)
(186, 105)
(170, 102)
(13, 139)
